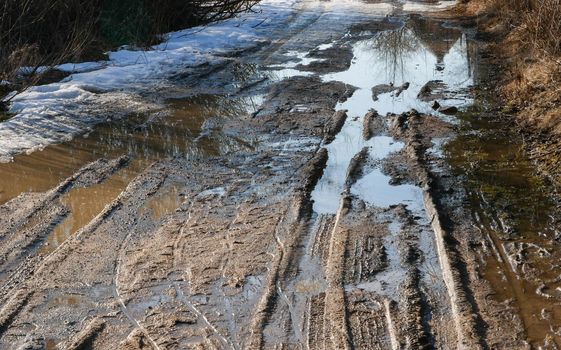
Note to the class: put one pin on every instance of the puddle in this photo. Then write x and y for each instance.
(427, 6)
(513, 208)
(375, 189)
(402, 56)
(174, 135)
(301, 58)
(85, 203)
(191, 129)
(394, 57)
(51, 344)
(163, 203)
(288, 68)
(285, 73)
(67, 300)
(346, 145)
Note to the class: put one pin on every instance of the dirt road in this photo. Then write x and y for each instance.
(311, 205)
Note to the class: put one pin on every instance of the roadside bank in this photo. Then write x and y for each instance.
(521, 43)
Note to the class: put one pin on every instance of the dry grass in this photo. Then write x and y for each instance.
(541, 24)
(534, 44)
(536, 92)
(535, 23)
(531, 44)
(35, 32)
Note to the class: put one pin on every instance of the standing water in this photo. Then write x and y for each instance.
(393, 59)
(176, 132)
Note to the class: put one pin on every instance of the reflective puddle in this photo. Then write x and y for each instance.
(85, 203)
(510, 204)
(178, 132)
(513, 208)
(390, 70)
(163, 203)
(189, 128)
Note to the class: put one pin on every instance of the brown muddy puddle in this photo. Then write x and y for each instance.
(514, 210)
(163, 203)
(85, 203)
(182, 130)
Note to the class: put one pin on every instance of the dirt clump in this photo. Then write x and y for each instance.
(333, 59)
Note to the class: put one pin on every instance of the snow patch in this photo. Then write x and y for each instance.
(412, 6)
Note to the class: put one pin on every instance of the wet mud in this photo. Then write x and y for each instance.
(305, 195)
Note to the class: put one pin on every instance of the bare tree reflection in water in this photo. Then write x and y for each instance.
(191, 128)
(394, 47)
(441, 46)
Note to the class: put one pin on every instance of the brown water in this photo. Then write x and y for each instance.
(85, 203)
(163, 203)
(177, 131)
(173, 134)
(513, 207)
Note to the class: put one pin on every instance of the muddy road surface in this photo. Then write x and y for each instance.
(344, 186)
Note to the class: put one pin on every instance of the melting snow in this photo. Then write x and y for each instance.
(53, 113)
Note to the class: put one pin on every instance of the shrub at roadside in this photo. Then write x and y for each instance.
(36, 33)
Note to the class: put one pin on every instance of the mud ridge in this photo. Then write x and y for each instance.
(295, 222)
(269, 299)
(372, 125)
(355, 168)
(334, 125)
(466, 317)
(335, 313)
(11, 308)
(84, 339)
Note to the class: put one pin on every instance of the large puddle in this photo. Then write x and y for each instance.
(178, 132)
(514, 209)
(408, 57)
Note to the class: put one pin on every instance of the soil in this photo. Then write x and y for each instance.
(224, 247)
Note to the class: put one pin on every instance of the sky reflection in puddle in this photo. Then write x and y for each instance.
(392, 58)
